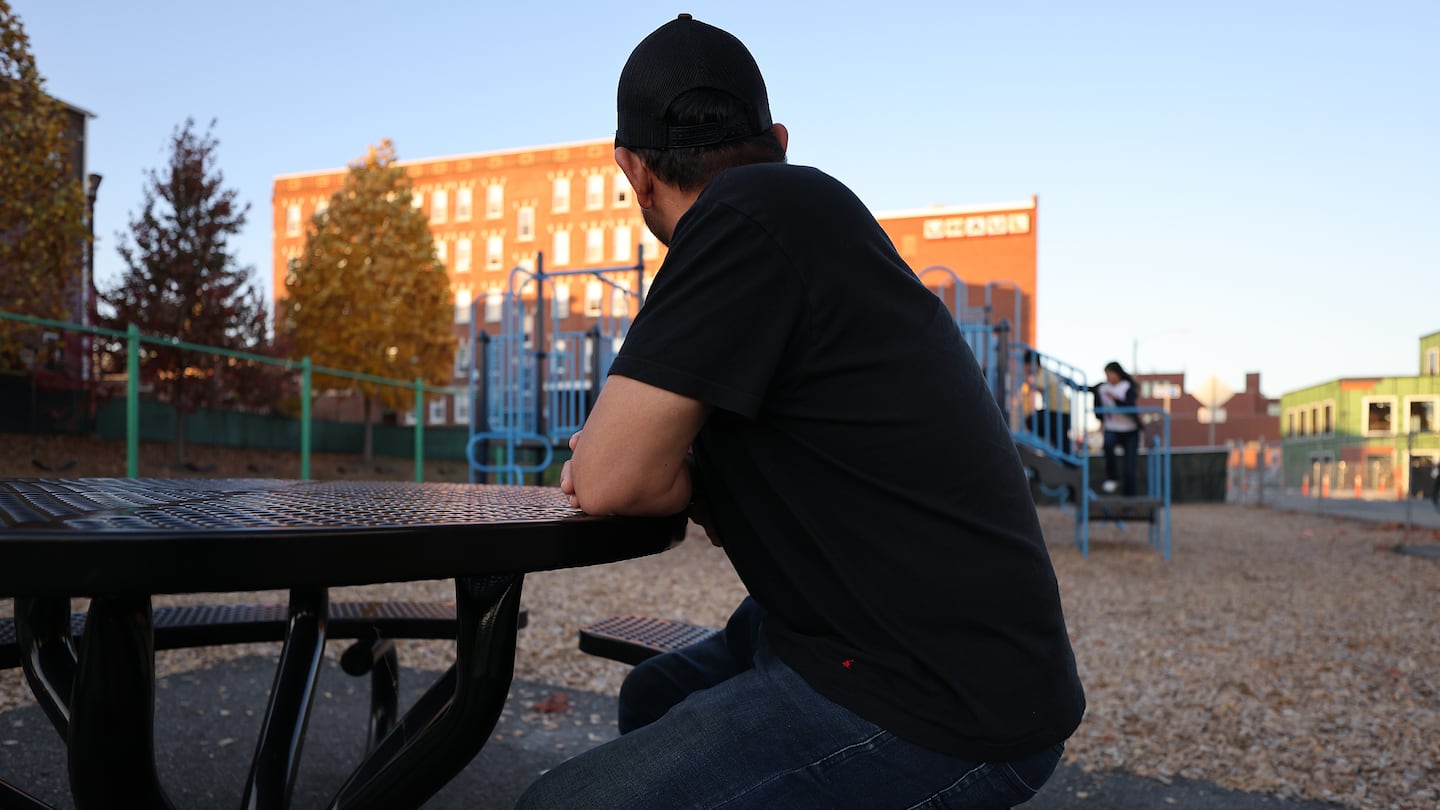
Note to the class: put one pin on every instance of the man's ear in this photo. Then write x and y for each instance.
(782, 135)
(641, 180)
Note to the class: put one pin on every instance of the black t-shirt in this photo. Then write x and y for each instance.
(858, 471)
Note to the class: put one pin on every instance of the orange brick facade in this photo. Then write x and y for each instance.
(491, 212)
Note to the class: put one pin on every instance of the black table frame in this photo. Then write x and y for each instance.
(100, 695)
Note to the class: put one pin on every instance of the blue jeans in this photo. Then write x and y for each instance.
(719, 725)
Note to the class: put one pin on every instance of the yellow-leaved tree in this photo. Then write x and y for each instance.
(368, 294)
(43, 230)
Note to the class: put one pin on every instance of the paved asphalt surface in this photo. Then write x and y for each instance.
(206, 723)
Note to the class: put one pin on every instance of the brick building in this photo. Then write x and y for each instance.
(491, 212)
(1245, 416)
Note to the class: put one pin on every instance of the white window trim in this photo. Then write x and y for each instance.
(461, 404)
(464, 211)
(1365, 416)
(435, 411)
(494, 259)
(293, 219)
(494, 306)
(629, 244)
(558, 257)
(464, 255)
(594, 198)
(522, 233)
(555, 185)
(621, 194)
(594, 247)
(1409, 398)
(594, 299)
(439, 206)
(494, 202)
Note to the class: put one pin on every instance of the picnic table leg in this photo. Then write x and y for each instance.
(282, 734)
(112, 709)
(47, 654)
(450, 723)
(13, 798)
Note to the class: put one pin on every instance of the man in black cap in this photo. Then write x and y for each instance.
(792, 383)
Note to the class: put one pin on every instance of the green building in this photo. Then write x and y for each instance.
(1369, 437)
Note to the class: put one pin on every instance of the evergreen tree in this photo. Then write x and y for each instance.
(182, 280)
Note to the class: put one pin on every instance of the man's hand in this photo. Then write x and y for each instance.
(567, 484)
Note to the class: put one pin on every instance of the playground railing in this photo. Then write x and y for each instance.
(134, 342)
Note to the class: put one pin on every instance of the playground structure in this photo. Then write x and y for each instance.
(533, 384)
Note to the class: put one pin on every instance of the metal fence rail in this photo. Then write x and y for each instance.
(135, 341)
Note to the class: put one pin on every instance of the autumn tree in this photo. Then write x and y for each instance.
(43, 228)
(367, 294)
(182, 279)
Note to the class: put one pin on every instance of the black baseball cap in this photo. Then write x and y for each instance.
(681, 55)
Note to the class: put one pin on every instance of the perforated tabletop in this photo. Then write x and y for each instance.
(99, 535)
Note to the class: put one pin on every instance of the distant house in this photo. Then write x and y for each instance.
(1366, 436)
(1247, 416)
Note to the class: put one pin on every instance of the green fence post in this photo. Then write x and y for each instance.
(419, 429)
(305, 417)
(132, 402)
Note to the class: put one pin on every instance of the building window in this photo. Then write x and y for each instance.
(649, 244)
(441, 251)
(462, 408)
(1421, 415)
(560, 248)
(462, 360)
(494, 201)
(560, 195)
(525, 224)
(494, 252)
(562, 302)
(1379, 416)
(292, 220)
(620, 192)
(619, 303)
(437, 411)
(462, 255)
(462, 204)
(594, 192)
(1432, 363)
(321, 207)
(593, 292)
(594, 245)
(622, 243)
(494, 306)
(462, 305)
(1329, 426)
(1304, 422)
(1290, 423)
(438, 212)
(417, 199)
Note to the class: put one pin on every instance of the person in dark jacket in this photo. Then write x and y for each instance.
(1122, 430)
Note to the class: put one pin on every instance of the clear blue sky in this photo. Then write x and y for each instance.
(1239, 186)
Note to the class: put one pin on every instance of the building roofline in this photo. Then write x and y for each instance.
(465, 156)
(80, 110)
(952, 210)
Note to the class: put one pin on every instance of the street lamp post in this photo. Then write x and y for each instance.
(1135, 345)
(87, 290)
